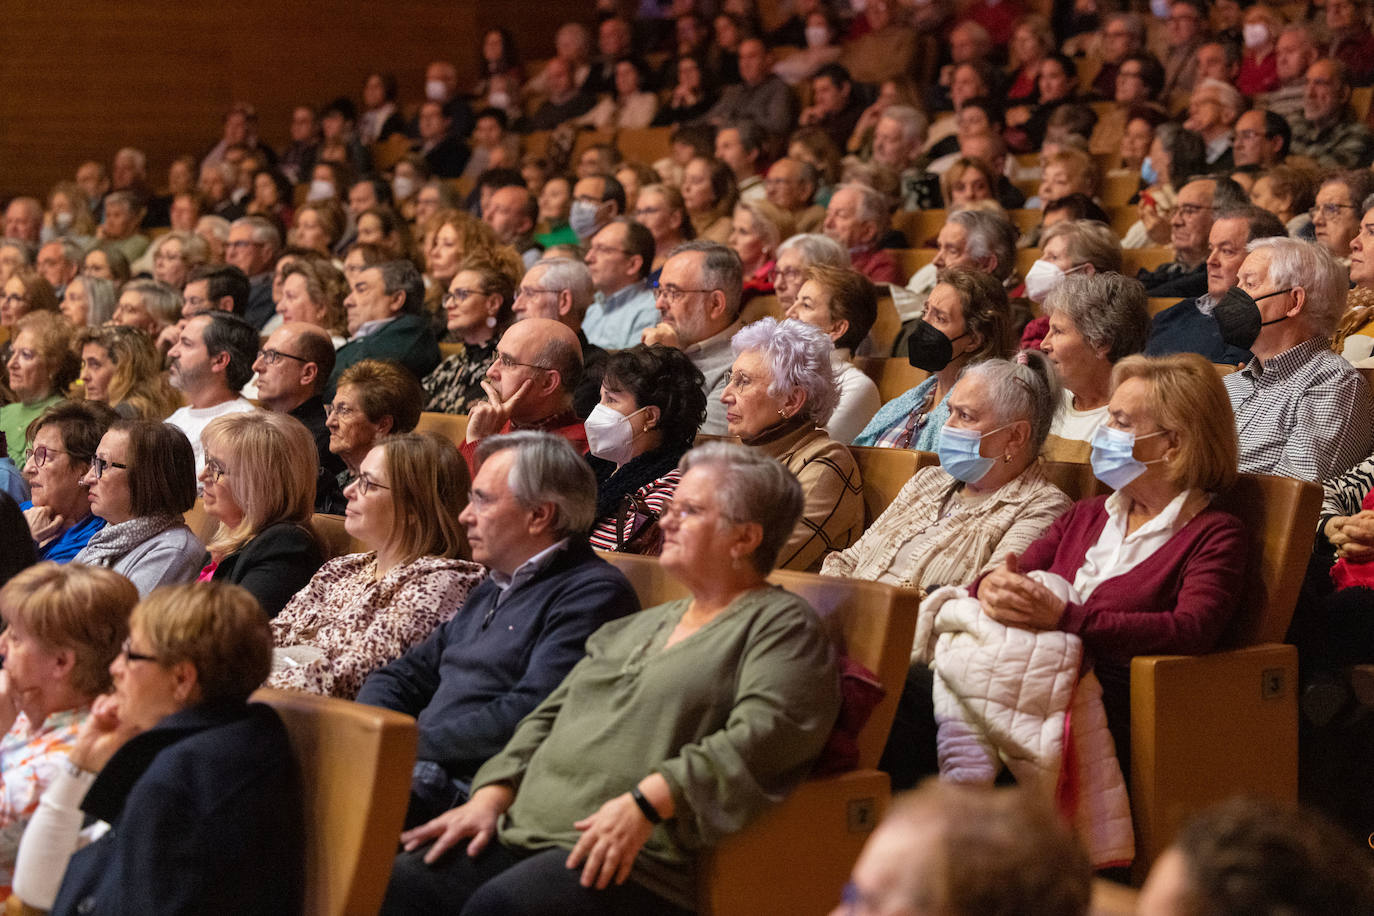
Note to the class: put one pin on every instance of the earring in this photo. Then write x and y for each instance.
(782, 413)
(491, 321)
(1006, 459)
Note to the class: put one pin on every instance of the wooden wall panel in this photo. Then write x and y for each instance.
(85, 78)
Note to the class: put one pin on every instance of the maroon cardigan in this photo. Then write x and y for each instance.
(1177, 601)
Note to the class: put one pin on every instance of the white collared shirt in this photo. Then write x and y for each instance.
(371, 327)
(524, 572)
(1116, 552)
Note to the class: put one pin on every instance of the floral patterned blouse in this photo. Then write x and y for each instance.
(360, 623)
(456, 383)
(29, 761)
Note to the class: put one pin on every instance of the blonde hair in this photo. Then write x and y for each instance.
(429, 487)
(271, 465)
(218, 627)
(138, 380)
(77, 607)
(1187, 398)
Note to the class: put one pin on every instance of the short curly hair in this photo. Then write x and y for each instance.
(798, 355)
(662, 377)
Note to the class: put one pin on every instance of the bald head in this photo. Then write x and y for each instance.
(24, 220)
(542, 357)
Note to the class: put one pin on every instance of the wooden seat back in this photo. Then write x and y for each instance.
(452, 426)
(892, 375)
(919, 226)
(1134, 259)
(885, 471)
(335, 541)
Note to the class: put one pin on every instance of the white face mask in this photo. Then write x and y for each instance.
(1045, 276)
(402, 186)
(320, 190)
(610, 434)
(62, 219)
(499, 100)
(1160, 8)
(1255, 33)
(817, 36)
(436, 91)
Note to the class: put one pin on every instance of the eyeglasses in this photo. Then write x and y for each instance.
(14, 298)
(214, 469)
(40, 454)
(342, 411)
(131, 656)
(99, 466)
(647, 211)
(606, 250)
(458, 295)
(790, 274)
(674, 294)
(680, 511)
(1330, 211)
(509, 362)
(1190, 210)
(738, 380)
(272, 357)
(366, 485)
(533, 291)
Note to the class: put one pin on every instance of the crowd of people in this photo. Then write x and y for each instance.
(253, 342)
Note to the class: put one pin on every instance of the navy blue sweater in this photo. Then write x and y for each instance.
(1181, 328)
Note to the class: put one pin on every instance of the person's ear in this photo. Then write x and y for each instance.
(838, 328)
(542, 518)
(748, 537)
(185, 682)
(652, 414)
(565, 302)
(309, 372)
(385, 425)
(794, 402)
(1299, 302)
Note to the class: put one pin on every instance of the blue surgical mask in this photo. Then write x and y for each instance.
(960, 453)
(1113, 457)
(1147, 171)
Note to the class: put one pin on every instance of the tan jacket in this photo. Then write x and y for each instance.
(833, 511)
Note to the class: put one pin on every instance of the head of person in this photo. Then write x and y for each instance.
(215, 287)
(64, 625)
(1068, 171)
(1253, 856)
(142, 469)
(651, 398)
(147, 305)
(1139, 78)
(796, 255)
(215, 231)
(898, 136)
(969, 42)
(781, 375)
(88, 301)
(708, 186)
(208, 642)
(24, 220)
(999, 409)
(1262, 138)
(1217, 60)
(1336, 213)
(961, 850)
(699, 290)
(25, 292)
(58, 261)
(1326, 91)
(1295, 51)
(107, 262)
(966, 319)
(661, 209)
(1299, 288)
(1232, 230)
(511, 213)
(389, 290)
(560, 289)
(1070, 247)
(839, 301)
(480, 297)
(373, 398)
(542, 357)
(62, 442)
(1285, 191)
(831, 89)
(1095, 321)
(214, 352)
(967, 181)
(313, 292)
(1191, 222)
(318, 226)
(740, 146)
(115, 361)
(620, 255)
(260, 469)
(1187, 20)
(856, 217)
(531, 490)
(753, 61)
(596, 200)
(1057, 79)
(456, 236)
(407, 496)
(41, 359)
(979, 240)
(790, 185)
(123, 215)
(733, 502)
(1362, 249)
(293, 365)
(755, 232)
(176, 254)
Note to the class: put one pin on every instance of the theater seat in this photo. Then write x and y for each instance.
(761, 307)
(893, 375)
(1135, 259)
(919, 226)
(449, 348)
(796, 858)
(335, 541)
(451, 426)
(885, 471)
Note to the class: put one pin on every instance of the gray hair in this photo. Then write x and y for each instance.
(547, 470)
(160, 301)
(872, 204)
(1227, 95)
(263, 230)
(129, 199)
(1107, 309)
(764, 224)
(752, 488)
(1023, 388)
(817, 249)
(72, 253)
(139, 158)
(195, 249)
(217, 226)
(799, 357)
(1088, 241)
(914, 124)
(100, 299)
(1314, 270)
(572, 275)
(989, 234)
(721, 269)
(24, 248)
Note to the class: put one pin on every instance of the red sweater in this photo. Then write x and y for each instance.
(565, 424)
(1177, 601)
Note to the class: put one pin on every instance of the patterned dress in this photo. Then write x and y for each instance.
(360, 623)
(456, 383)
(29, 761)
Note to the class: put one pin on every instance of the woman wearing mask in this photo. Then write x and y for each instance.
(652, 405)
(822, 48)
(1259, 68)
(1070, 247)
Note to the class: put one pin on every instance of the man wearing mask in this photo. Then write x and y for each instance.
(441, 85)
(597, 199)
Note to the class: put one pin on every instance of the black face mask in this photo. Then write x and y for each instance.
(1238, 316)
(928, 348)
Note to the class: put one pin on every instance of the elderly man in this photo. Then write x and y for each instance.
(699, 295)
(1190, 228)
(252, 247)
(740, 146)
(123, 218)
(1123, 35)
(293, 367)
(512, 212)
(897, 141)
(58, 261)
(24, 220)
(1188, 326)
(1328, 131)
(385, 321)
(619, 260)
(760, 97)
(948, 848)
(597, 199)
(857, 217)
(1262, 140)
(976, 239)
(1295, 51)
(1212, 113)
(1301, 410)
(561, 290)
(1185, 30)
(790, 186)
(520, 631)
(209, 365)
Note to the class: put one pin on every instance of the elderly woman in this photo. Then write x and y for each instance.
(141, 482)
(987, 499)
(40, 367)
(710, 193)
(63, 627)
(660, 209)
(58, 513)
(174, 255)
(363, 610)
(798, 254)
(479, 307)
(121, 367)
(108, 263)
(1069, 247)
(313, 291)
(652, 405)
(181, 767)
(149, 306)
(781, 391)
(843, 304)
(259, 484)
(965, 321)
(729, 696)
(1339, 205)
(318, 226)
(755, 232)
(1094, 321)
(88, 301)
(374, 398)
(1354, 338)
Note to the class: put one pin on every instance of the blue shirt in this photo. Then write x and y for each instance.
(62, 549)
(615, 321)
(888, 426)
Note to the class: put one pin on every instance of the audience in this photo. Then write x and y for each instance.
(210, 363)
(385, 321)
(561, 289)
(40, 367)
(375, 398)
(619, 259)
(58, 512)
(478, 306)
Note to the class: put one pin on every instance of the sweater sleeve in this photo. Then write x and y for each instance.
(50, 839)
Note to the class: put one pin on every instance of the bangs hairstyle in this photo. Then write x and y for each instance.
(84, 609)
(429, 488)
(798, 356)
(53, 338)
(384, 389)
(162, 468)
(271, 465)
(853, 298)
(218, 627)
(662, 377)
(752, 488)
(1187, 398)
(81, 425)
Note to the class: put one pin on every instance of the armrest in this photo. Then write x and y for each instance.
(16, 907)
(1205, 727)
(796, 858)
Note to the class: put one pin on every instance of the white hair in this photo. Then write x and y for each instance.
(798, 355)
(1294, 264)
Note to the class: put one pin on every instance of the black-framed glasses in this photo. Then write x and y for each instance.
(131, 656)
(272, 357)
(366, 484)
(509, 362)
(99, 466)
(674, 294)
(40, 454)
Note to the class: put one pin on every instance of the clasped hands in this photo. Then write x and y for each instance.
(1353, 536)
(1017, 600)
